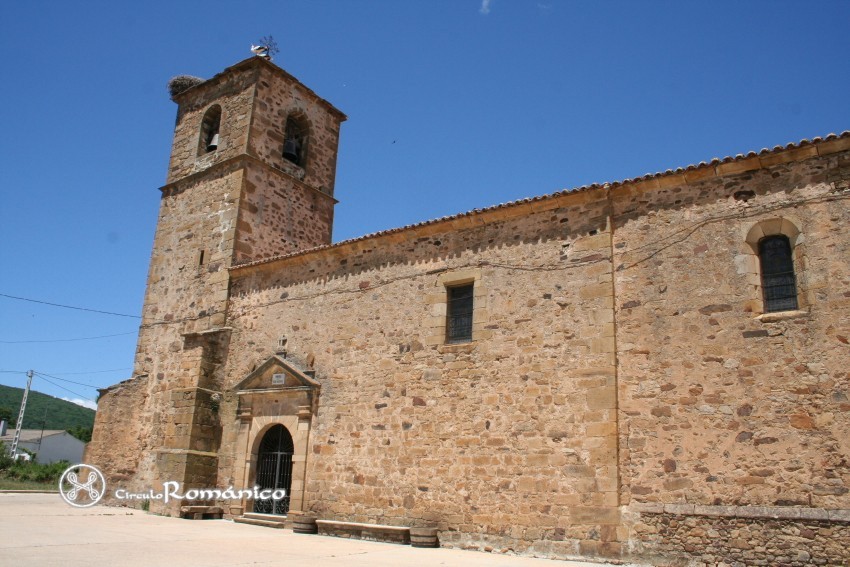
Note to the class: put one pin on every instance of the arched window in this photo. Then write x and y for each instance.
(210, 125)
(295, 141)
(778, 281)
(773, 256)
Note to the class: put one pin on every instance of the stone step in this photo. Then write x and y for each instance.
(269, 517)
(264, 520)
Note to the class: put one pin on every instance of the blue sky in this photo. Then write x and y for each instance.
(452, 105)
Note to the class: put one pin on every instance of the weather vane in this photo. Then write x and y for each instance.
(266, 49)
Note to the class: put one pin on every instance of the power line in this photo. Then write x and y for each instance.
(93, 371)
(40, 375)
(68, 340)
(69, 373)
(46, 376)
(69, 306)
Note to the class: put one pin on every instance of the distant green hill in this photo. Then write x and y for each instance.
(56, 413)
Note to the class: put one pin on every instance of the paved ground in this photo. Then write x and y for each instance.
(41, 530)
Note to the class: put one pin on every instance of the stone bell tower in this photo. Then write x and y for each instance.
(251, 176)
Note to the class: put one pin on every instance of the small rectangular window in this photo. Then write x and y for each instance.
(459, 314)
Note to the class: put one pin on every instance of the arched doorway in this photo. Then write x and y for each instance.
(274, 469)
(277, 404)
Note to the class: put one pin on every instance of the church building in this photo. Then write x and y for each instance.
(653, 369)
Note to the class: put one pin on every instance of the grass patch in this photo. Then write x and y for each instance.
(28, 475)
(7, 483)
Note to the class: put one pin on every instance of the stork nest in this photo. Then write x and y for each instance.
(182, 83)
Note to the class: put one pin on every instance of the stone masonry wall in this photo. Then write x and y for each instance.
(507, 442)
(121, 432)
(279, 215)
(188, 280)
(719, 403)
(705, 417)
(729, 537)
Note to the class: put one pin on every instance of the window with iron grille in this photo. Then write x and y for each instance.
(778, 282)
(459, 314)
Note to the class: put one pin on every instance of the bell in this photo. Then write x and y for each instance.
(213, 143)
(290, 150)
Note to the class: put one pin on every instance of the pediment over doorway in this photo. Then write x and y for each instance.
(277, 373)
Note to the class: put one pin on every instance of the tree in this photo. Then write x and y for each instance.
(81, 433)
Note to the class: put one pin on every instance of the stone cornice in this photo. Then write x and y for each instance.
(259, 63)
(234, 163)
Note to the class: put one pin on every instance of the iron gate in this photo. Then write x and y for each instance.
(274, 469)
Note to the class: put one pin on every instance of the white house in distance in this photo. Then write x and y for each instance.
(49, 445)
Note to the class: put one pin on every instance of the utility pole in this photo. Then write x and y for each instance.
(21, 416)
